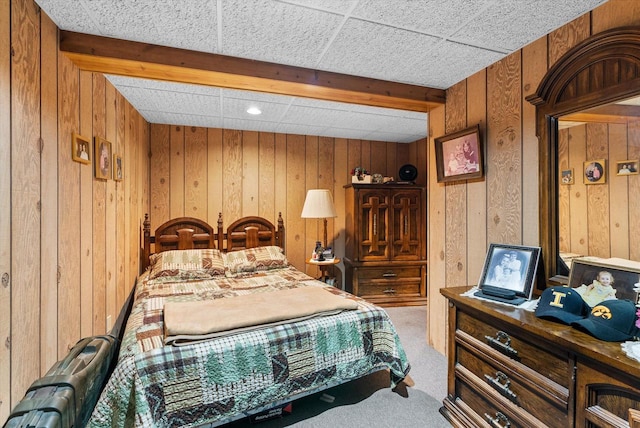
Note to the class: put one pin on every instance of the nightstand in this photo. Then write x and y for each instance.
(323, 266)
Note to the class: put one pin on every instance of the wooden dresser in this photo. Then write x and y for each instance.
(509, 368)
(385, 248)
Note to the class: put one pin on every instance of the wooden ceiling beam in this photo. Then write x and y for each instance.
(135, 59)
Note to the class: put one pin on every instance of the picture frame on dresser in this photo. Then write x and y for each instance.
(459, 155)
(510, 270)
(585, 276)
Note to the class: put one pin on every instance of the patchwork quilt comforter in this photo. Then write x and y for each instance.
(218, 380)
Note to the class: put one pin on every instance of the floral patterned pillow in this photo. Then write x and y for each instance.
(255, 259)
(186, 265)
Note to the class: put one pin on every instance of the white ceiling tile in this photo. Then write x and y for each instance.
(182, 119)
(434, 17)
(462, 61)
(276, 32)
(510, 25)
(360, 45)
(335, 6)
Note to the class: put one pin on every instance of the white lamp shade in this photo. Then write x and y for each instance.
(318, 204)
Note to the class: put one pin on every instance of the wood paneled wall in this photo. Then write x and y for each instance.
(69, 244)
(600, 220)
(200, 172)
(465, 217)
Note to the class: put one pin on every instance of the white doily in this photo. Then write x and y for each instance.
(529, 305)
(632, 349)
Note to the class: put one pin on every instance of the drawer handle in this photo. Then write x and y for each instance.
(389, 275)
(501, 384)
(496, 422)
(389, 291)
(502, 342)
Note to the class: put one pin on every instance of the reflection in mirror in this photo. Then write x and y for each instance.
(598, 183)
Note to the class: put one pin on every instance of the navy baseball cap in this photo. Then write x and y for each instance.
(611, 320)
(562, 304)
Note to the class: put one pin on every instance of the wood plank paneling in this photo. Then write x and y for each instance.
(436, 238)
(250, 172)
(86, 207)
(341, 176)
(281, 183)
(111, 294)
(160, 177)
(214, 159)
(195, 171)
(577, 142)
(232, 174)
(598, 195)
(313, 227)
(619, 192)
(476, 189)
(25, 196)
(504, 151)
(122, 232)
(68, 210)
(49, 199)
(297, 249)
(456, 205)
(176, 164)
(534, 67)
(99, 234)
(266, 176)
(5, 207)
(615, 13)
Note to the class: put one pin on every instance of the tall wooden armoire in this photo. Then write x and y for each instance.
(385, 248)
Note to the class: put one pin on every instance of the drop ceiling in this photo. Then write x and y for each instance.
(430, 43)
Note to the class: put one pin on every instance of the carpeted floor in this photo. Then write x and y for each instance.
(369, 402)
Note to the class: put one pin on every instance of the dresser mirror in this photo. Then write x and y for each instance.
(598, 153)
(586, 118)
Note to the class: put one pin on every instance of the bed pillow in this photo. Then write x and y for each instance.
(186, 265)
(255, 259)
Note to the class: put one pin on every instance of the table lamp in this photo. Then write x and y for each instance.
(319, 204)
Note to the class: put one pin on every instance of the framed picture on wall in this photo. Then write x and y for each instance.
(80, 148)
(117, 167)
(459, 155)
(627, 167)
(596, 281)
(566, 176)
(103, 158)
(595, 171)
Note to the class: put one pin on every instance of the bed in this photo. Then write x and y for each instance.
(213, 380)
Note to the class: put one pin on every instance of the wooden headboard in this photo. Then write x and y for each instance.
(184, 233)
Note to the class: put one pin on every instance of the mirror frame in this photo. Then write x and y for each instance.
(602, 69)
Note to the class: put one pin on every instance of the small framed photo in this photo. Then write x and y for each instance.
(566, 176)
(596, 281)
(103, 158)
(80, 148)
(511, 267)
(117, 165)
(595, 172)
(459, 155)
(627, 167)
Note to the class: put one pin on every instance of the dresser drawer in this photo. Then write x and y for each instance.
(490, 406)
(388, 274)
(390, 281)
(521, 387)
(549, 363)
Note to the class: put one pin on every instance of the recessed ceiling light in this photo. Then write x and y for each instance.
(254, 110)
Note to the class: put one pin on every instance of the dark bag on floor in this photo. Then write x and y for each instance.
(67, 394)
